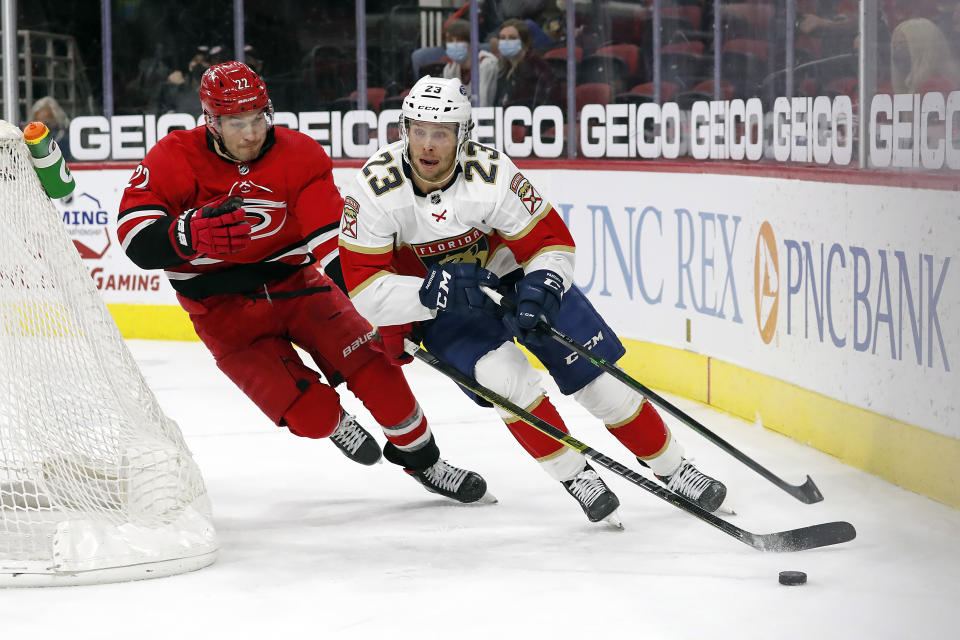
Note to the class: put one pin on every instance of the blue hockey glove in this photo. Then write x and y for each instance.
(538, 295)
(455, 288)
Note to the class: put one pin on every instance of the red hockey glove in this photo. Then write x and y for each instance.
(215, 228)
(391, 343)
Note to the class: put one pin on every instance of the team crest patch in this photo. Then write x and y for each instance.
(348, 224)
(472, 246)
(525, 191)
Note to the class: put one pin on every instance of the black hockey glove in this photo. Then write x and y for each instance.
(455, 288)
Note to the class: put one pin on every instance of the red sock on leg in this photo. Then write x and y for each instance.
(535, 442)
(644, 433)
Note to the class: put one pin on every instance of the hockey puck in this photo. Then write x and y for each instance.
(791, 578)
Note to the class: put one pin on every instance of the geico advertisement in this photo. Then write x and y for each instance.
(851, 291)
(917, 131)
(848, 290)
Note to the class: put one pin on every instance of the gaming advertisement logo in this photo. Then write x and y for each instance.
(87, 222)
(766, 282)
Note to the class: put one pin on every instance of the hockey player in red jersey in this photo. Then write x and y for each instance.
(240, 215)
(434, 216)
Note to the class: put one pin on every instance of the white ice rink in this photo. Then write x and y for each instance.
(314, 546)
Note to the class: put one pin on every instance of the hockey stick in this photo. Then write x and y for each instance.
(818, 535)
(806, 492)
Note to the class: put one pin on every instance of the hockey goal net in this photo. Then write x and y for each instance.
(96, 483)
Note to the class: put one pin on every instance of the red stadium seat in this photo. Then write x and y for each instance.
(629, 53)
(561, 52)
(593, 93)
(668, 90)
(691, 46)
(628, 28)
(375, 96)
(726, 89)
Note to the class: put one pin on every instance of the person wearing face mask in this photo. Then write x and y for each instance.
(456, 37)
(921, 60)
(524, 77)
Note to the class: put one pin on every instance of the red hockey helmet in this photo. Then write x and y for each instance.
(231, 88)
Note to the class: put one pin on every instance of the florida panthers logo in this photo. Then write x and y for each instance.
(472, 246)
(348, 223)
(527, 194)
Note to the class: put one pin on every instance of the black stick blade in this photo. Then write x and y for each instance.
(806, 492)
(818, 535)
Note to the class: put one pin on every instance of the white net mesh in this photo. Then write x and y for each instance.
(93, 475)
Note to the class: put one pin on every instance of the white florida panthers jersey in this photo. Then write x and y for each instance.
(490, 214)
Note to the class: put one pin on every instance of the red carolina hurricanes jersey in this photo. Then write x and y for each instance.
(288, 194)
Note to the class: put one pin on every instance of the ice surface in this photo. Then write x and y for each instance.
(315, 546)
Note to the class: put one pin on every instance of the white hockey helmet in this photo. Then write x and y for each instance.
(437, 100)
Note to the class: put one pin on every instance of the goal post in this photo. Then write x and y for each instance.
(96, 482)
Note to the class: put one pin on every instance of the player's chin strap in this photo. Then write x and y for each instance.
(807, 492)
(222, 150)
(818, 535)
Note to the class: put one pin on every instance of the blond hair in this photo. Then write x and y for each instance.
(930, 56)
(59, 115)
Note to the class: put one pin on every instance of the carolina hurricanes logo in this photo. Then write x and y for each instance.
(266, 216)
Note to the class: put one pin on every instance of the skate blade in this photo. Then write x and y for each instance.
(487, 498)
(614, 521)
(725, 510)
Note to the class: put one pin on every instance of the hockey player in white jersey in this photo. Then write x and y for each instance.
(434, 216)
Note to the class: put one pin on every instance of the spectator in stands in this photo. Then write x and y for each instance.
(495, 12)
(524, 77)
(897, 11)
(179, 94)
(253, 59)
(456, 38)
(921, 60)
(553, 26)
(48, 111)
(835, 23)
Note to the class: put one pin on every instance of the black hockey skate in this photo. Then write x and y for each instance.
(697, 487)
(450, 481)
(595, 498)
(355, 442)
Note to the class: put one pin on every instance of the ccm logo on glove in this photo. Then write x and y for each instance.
(455, 288)
(538, 296)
